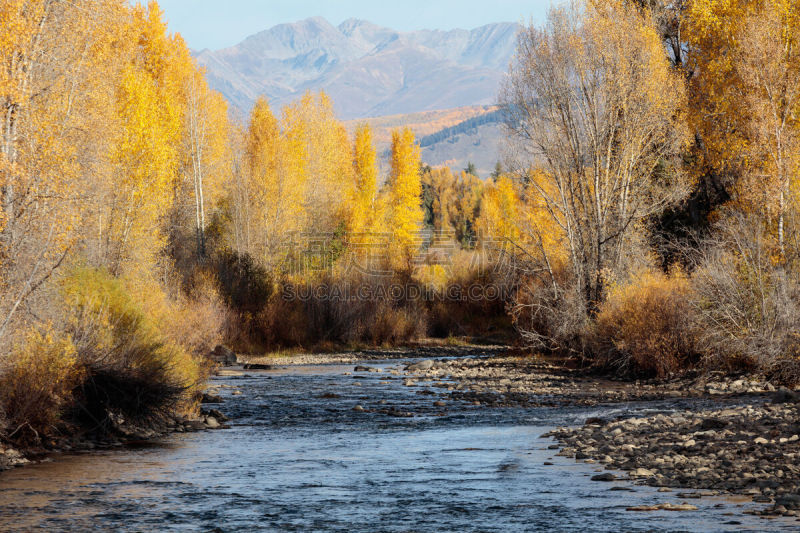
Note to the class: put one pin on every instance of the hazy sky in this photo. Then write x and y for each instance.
(217, 24)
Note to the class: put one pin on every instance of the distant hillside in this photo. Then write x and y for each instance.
(477, 141)
(466, 127)
(368, 70)
(423, 124)
(450, 137)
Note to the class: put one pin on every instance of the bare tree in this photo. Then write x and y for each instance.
(595, 124)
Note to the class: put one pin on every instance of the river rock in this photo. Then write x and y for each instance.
(216, 413)
(257, 366)
(211, 422)
(784, 395)
(210, 398)
(604, 477)
(223, 356)
(421, 366)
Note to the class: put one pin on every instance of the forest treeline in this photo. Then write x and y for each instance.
(644, 219)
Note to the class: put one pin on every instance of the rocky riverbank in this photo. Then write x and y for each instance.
(750, 448)
(354, 357)
(506, 381)
(118, 434)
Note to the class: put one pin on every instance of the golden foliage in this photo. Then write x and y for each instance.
(404, 211)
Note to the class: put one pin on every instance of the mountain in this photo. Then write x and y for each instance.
(368, 70)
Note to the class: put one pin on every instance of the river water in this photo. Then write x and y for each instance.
(297, 461)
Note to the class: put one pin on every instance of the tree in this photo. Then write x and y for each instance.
(60, 61)
(767, 55)
(499, 219)
(275, 170)
(405, 214)
(465, 208)
(497, 172)
(717, 118)
(207, 148)
(365, 169)
(319, 148)
(470, 169)
(592, 101)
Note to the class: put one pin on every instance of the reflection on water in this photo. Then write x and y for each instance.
(297, 462)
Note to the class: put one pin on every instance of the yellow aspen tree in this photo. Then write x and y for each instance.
(442, 186)
(405, 212)
(319, 139)
(711, 31)
(499, 218)
(146, 165)
(53, 134)
(767, 61)
(264, 190)
(365, 169)
(151, 106)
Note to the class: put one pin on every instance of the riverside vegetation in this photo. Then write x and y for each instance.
(643, 224)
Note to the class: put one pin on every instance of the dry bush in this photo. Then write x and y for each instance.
(472, 303)
(395, 325)
(38, 387)
(196, 322)
(551, 317)
(644, 327)
(330, 310)
(746, 301)
(132, 367)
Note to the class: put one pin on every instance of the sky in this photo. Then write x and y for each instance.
(217, 24)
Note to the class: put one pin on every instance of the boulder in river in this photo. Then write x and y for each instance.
(223, 355)
(422, 366)
(210, 398)
(257, 366)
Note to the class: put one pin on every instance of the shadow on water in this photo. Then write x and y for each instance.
(299, 458)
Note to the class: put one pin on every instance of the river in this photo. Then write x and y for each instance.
(298, 460)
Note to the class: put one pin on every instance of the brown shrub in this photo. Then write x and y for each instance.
(196, 322)
(645, 326)
(551, 317)
(331, 310)
(38, 387)
(746, 300)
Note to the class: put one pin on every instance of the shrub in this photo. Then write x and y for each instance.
(37, 388)
(329, 311)
(132, 368)
(244, 285)
(746, 300)
(472, 303)
(644, 326)
(194, 322)
(551, 317)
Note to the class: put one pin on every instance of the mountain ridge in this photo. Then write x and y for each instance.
(367, 69)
